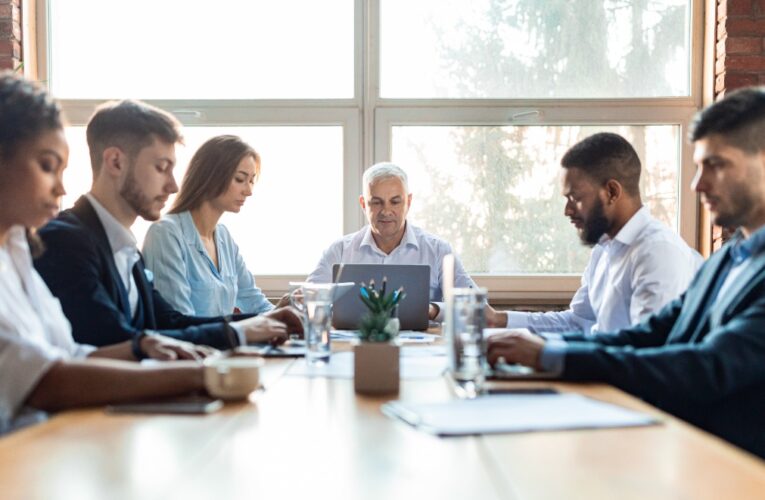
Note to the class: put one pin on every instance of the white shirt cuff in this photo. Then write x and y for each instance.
(239, 329)
(517, 319)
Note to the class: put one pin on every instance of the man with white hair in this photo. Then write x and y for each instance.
(389, 239)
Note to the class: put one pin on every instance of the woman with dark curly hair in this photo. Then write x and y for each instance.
(41, 367)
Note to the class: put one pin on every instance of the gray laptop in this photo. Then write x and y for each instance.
(348, 310)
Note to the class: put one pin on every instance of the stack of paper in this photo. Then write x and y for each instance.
(515, 413)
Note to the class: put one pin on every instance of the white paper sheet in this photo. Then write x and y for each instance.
(341, 366)
(404, 336)
(515, 413)
(423, 351)
(488, 332)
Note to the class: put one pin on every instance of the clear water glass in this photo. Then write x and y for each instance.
(464, 326)
(314, 302)
(318, 321)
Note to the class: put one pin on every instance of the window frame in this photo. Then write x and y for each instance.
(367, 120)
(678, 111)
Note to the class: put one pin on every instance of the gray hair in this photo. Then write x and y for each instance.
(380, 171)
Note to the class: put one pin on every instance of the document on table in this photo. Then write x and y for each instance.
(404, 336)
(489, 332)
(515, 413)
(341, 366)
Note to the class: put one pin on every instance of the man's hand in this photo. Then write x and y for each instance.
(273, 326)
(263, 329)
(515, 346)
(433, 311)
(289, 316)
(168, 349)
(283, 302)
(494, 318)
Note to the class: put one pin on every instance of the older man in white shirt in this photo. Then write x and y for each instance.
(389, 238)
(637, 265)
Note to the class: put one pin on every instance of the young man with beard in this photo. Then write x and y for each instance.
(637, 265)
(92, 264)
(700, 357)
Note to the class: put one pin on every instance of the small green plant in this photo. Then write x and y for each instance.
(375, 324)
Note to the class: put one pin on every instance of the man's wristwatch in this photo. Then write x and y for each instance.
(135, 344)
(437, 308)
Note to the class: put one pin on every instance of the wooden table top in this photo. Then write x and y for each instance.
(314, 437)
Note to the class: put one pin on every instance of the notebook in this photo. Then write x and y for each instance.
(348, 310)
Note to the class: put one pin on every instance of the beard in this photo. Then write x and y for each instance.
(595, 225)
(131, 192)
(742, 201)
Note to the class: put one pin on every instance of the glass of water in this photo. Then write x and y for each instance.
(464, 325)
(314, 302)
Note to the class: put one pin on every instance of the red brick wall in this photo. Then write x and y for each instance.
(10, 34)
(740, 49)
(740, 56)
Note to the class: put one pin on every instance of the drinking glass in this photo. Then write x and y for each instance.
(464, 325)
(314, 302)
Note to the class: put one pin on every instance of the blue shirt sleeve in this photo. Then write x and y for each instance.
(163, 253)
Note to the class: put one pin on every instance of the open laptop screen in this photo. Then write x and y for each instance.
(412, 311)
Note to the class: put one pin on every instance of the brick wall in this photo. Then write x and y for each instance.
(740, 50)
(10, 34)
(739, 57)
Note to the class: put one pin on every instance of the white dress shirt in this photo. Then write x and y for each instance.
(645, 266)
(34, 332)
(124, 249)
(416, 247)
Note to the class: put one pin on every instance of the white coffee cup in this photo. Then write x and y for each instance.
(232, 377)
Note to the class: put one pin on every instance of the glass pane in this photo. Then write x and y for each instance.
(494, 192)
(535, 49)
(177, 49)
(265, 227)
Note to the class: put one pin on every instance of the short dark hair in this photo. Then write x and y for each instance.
(211, 169)
(131, 126)
(26, 111)
(606, 156)
(739, 116)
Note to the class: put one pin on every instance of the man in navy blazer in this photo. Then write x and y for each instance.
(701, 357)
(92, 264)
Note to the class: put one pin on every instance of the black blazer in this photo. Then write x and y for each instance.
(700, 359)
(78, 267)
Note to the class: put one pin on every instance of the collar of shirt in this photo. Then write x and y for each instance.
(189, 231)
(17, 247)
(121, 239)
(743, 248)
(409, 239)
(630, 232)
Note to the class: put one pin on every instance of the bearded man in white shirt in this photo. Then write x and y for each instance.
(637, 265)
(389, 238)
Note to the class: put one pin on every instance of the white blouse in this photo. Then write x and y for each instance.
(34, 332)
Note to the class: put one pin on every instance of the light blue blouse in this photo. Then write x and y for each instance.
(186, 277)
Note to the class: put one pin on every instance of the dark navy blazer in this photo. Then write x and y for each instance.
(699, 358)
(78, 267)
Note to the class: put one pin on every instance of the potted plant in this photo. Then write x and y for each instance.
(376, 355)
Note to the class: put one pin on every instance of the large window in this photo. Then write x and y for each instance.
(476, 100)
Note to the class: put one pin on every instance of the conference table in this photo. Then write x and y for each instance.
(304, 437)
